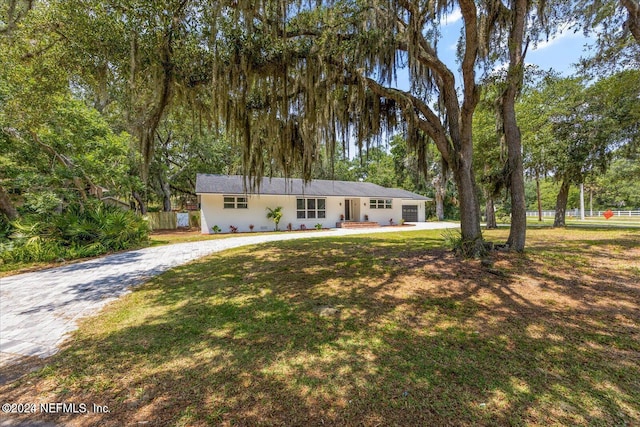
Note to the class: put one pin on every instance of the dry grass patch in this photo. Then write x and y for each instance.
(379, 330)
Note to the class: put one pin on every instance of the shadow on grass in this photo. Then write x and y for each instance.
(361, 331)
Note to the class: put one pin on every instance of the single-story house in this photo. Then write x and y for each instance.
(226, 202)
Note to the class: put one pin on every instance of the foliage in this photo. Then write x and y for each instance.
(318, 226)
(53, 145)
(452, 239)
(195, 220)
(267, 89)
(575, 129)
(271, 58)
(549, 189)
(216, 229)
(275, 214)
(619, 186)
(183, 148)
(79, 231)
(615, 25)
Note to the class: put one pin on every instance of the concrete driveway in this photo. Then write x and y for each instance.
(38, 309)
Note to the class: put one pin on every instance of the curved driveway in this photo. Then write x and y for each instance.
(38, 309)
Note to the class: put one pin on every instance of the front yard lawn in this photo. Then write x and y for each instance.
(386, 329)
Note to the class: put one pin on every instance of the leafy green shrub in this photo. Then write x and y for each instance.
(275, 214)
(454, 241)
(195, 220)
(80, 231)
(5, 230)
(41, 203)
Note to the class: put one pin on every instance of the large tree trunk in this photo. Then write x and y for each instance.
(469, 209)
(515, 75)
(490, 211)
(463, 172)
(518, 231)
(6, 207)
(561, 204)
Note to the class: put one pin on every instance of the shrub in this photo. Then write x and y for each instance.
(216, 229)
(275, 215)
(454, 241)
(251, 227)
(318, 226)
(195, 220)
(233, 228)
(79, 231)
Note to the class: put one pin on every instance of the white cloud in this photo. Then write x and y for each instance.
(500, 67)
(564, 32)
(452, 17)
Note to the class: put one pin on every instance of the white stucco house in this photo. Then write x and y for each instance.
(225, 201)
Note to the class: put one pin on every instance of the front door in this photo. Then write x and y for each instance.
(347, 210)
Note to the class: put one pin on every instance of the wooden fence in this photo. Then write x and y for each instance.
(173, 220)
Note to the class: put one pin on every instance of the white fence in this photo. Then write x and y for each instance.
(587, 212)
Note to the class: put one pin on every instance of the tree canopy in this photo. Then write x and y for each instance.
(137, 96)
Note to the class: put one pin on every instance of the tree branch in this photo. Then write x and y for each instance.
(633, 22)
(431, 124)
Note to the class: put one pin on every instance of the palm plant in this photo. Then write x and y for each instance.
(275, 215)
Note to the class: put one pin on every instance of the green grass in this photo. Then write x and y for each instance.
(387, 329)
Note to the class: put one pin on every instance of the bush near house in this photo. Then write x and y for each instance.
(275, 214)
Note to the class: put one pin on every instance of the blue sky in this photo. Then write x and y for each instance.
(559, 53)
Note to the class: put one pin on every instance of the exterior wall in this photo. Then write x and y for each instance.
(213, 212)
(381, 216)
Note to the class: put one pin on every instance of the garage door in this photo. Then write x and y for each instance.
(410, 213)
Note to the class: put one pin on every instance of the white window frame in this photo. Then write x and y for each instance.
(311, 208)
(235, 202)
(381, 203)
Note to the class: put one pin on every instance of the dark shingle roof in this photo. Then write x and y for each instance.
(234, 184)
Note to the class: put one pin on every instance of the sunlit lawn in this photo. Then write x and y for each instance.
(387, 329)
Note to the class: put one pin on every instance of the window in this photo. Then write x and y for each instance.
(311, 208)
(380, 203)
(233, 202)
